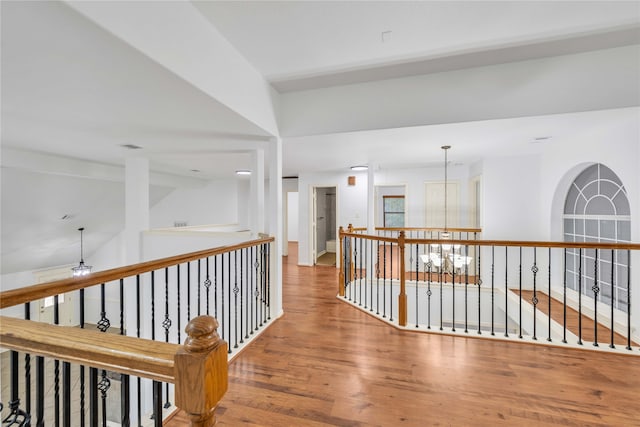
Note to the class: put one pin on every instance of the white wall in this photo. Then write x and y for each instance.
(216, 203)
(292, 216)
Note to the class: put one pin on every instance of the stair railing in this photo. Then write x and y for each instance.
(558, 293)
(128, 332)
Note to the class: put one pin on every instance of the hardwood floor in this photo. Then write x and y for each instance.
(326, 363)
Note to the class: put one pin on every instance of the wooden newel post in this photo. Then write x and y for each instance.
(341, 275)
(201, 371)
(402, 297)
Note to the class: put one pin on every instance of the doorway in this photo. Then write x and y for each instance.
(324, 233)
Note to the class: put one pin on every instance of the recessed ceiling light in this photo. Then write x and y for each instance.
(359, 168)
(131, 146)
(243, 172)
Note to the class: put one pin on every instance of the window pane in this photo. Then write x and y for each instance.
(394, 204)
(394, 219)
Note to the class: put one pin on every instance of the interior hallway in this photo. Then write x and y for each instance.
(325, 363)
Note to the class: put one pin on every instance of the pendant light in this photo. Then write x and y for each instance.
(81, 269)
(445, 234)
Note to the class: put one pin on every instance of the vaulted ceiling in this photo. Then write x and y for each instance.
(78, 91)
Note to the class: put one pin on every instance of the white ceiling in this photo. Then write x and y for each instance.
(70, 88)
(312, 40)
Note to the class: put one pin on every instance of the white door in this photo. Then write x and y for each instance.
(435, 204)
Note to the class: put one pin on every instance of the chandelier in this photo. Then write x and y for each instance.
(81, 269)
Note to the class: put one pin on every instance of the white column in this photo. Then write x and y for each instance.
(136, 207)
(257, 211)
(136, 221)
(371, 199)
(275, 222)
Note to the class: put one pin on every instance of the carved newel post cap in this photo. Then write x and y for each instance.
(201, 334)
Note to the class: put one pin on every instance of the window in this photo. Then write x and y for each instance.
(393, 210)
(596, 209)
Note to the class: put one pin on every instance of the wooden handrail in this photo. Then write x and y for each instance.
(455, 230)
(198, 369)
(515, 243)
(36, 292)
(119, 353)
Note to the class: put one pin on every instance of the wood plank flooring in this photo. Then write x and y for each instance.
(326, 363)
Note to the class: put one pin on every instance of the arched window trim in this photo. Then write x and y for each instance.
(589, 227)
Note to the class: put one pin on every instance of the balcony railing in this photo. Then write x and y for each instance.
(557, 293)
(123, 349)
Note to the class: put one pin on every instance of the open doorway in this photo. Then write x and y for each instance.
(324, 226)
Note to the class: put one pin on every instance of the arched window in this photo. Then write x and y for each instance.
(597, 210)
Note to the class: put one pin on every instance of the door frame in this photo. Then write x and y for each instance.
(313, 232)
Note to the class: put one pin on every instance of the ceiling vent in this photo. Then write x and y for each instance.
(131, 146)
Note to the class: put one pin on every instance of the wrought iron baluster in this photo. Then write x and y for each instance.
(207, 286)
(384, 279)
(250, 292)
(103, 386)
(441, 268)
(549, 299)
(153, 305)
(215, 288)
(564, 300)
(371, 263)
(268, 267)
(479, 283)
(367, 274)
(391, 284)
(17, 416)
(493, 268)
(534, 300)
(613, 287)
(82, 373)
(157, 403)
(236, 290)
(56, 369)
(244, 303)
(228, 293)
(428, 266)
(520, 294)
(378, 278)
(256, 292)
(453, 289)
(138, 322)
(628, 299)
(93, 397)
(596, 289)
(417, 274)
(188, 291)
(360, 275)
(27, 366)
(124, 379)
(466, 285)
(166, 324)
(580, 297)
(178, 328)
(506, 290)
(200, 281)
